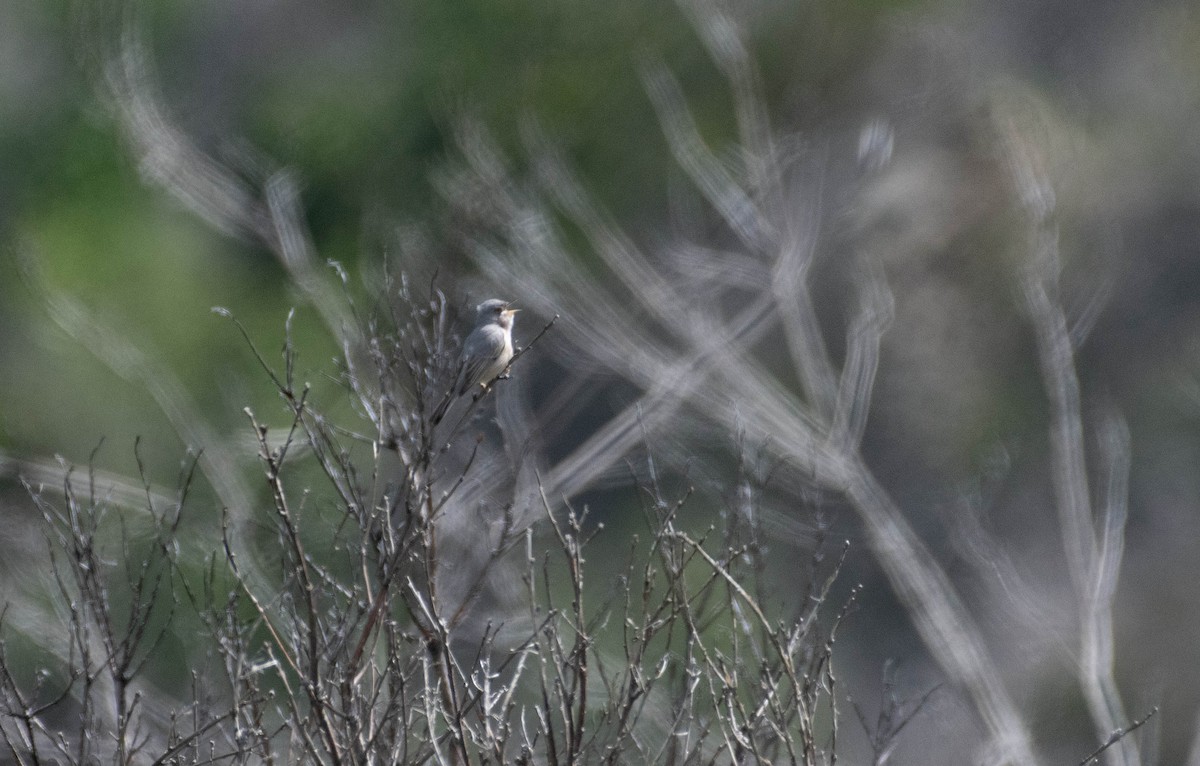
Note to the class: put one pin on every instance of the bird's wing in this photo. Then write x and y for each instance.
(482, 349)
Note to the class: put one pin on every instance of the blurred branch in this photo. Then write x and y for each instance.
(167, 156)
(723, 39)
(120, 490)
(721, 189)
(1066, 432)
(1092, 564)
(268, 212)
(118, 353)
(716, 359)
(862, 359)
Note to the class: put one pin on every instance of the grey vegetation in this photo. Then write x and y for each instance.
(425, 595)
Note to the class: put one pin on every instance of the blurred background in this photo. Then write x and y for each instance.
(897, 114)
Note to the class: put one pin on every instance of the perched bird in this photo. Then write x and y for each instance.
(485, 353)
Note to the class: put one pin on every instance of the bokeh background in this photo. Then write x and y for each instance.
(896, 109)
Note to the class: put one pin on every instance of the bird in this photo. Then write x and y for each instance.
(486, 353)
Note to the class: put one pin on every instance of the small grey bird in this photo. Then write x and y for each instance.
(485, 353)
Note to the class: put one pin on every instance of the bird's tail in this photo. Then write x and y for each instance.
(452, 393)
(439, 412)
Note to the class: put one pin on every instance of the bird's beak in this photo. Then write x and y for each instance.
(509, 312)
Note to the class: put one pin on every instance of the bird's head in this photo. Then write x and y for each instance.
(495, 310)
